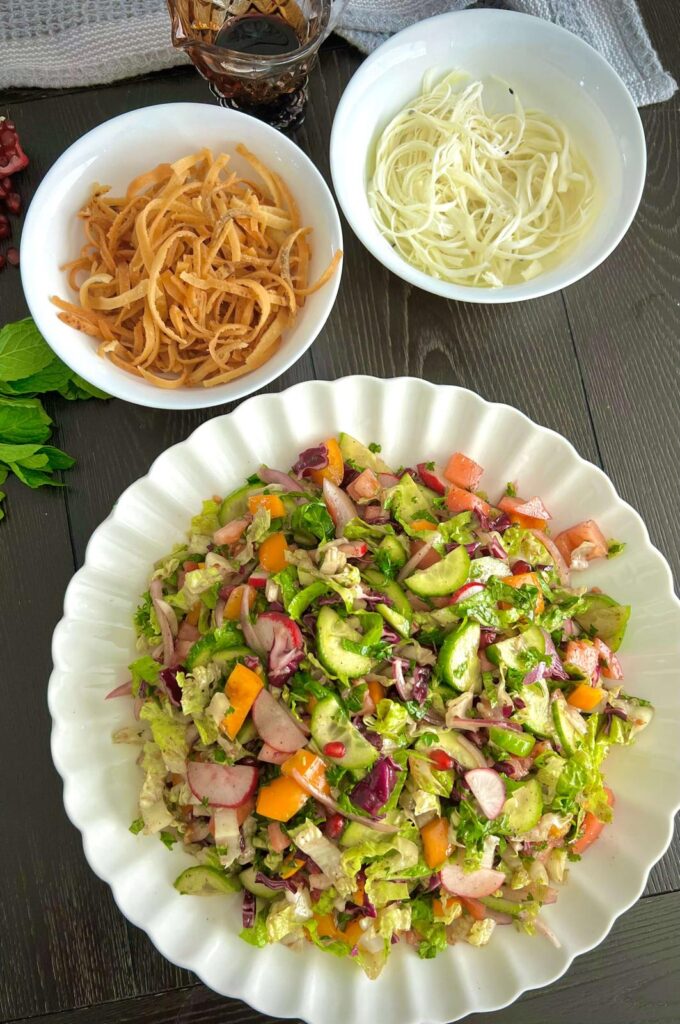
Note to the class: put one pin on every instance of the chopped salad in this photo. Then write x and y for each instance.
(376, 704)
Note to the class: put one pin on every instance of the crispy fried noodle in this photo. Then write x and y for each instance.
(192, 276)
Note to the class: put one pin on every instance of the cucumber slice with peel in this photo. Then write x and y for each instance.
(458, 662)
(443, 577)
(330, 724)
(205, 881)
(524, 807)
(331, 630)
(604, 617)
(247, 879)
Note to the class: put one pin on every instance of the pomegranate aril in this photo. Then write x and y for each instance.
(441, 760)
(335, 749)
(334, 826)
(13, 203)
(520, 566)
(13, 256)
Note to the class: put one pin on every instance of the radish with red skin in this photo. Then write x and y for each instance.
(271, 756)
(431, 479)
(275, 724)
(467, 590)
(488, 789)
(474, 884)
(340, 506)
(221, 785)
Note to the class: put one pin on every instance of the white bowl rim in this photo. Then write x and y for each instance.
(265, 1002)
(114, 383)
(463, 293)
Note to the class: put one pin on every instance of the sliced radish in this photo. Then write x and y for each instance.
(220, 784)
(489, 790)
(282, 640)
(431, 479)
(466, 591)
(275, 724)
(258, 579)
(340, 506)
(474, 884)
(269, 624)
(354, 549)
(272, 756)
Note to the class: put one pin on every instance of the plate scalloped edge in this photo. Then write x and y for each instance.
(96, 629)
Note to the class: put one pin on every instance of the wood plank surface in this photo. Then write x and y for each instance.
(601, 984)
(600, 364)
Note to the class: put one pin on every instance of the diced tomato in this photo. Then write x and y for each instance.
(431, 479)
(277, 838)
(527, 514)
(463, 472)
(582, 655)
(475, 908)
(230, 532)
(585, 533)
(609, 663)
(366, 485)
(427, 560)
(592, 827)
(458, 500)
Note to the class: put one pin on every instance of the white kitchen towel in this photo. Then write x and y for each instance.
(62, 43)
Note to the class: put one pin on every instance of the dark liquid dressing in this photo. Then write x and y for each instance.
(258, 34)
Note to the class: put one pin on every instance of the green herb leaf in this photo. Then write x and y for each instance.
(23, 350)
(375, 447)
(136, 826)
(314, 517)
(167, 839)
(23, 420)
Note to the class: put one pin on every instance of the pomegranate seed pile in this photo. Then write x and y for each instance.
(12, 160)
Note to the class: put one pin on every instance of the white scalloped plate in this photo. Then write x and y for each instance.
(94, 642)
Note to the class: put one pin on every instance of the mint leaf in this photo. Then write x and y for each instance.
(90, 391)
(17, 452)
(23, 351)
(56, 458)
(34, 477)
(23, 420)
(52, 377)
(2, 498)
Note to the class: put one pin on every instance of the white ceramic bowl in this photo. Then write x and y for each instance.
(113, 154)
(551, 70)
(95, 641)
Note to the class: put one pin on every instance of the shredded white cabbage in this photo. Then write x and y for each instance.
(475, 198)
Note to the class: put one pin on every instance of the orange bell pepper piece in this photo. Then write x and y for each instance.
(527, 579)
(271, 502)
(335, 470)
(281, 799)
(585, 697)
(309, 766)
(194, 613)
(376, 691)
(232, 609)
(243, 686)
(475, 908)
(326, 928)
(353, 932)
(272, 553)
(592, 827)
(291, 867)
(422, 524)
(435, 838)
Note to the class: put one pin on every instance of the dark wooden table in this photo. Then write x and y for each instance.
(599, 363)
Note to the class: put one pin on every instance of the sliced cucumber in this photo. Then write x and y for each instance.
(605, 618)
(330, 724)
(461, 749)
(458, 661)
(443, 577)
(247, 732)
(395, 619)
(331, 630)
(511, 652)
(519, 743)
(302, 600)
(236, 503)
(394, 549)
(247, 879)
(356, 452)
(392, 590)
(548, 775)
(213, 645)
(524, 807)
(503, 906)
(205, 881)
(408, 501)
(355, 833)
(568, 735)
(535, 715)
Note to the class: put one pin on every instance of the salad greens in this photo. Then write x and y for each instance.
(376, 706)
(28, 366)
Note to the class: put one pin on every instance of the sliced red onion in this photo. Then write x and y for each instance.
(555, 670)
(124, 690)
(249, 909)
(388, 479)
(536, 674)
(555, 554)
(544, 929)
(249, 633)
(340, 506)
(167, 681)
(219, 612)
(170, 615)
(327, 801)
(415, 560)
(311, 460)
(275, 476)
(156, 594)
(488, 789)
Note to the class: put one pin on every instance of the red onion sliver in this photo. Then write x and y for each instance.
(327, 801)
